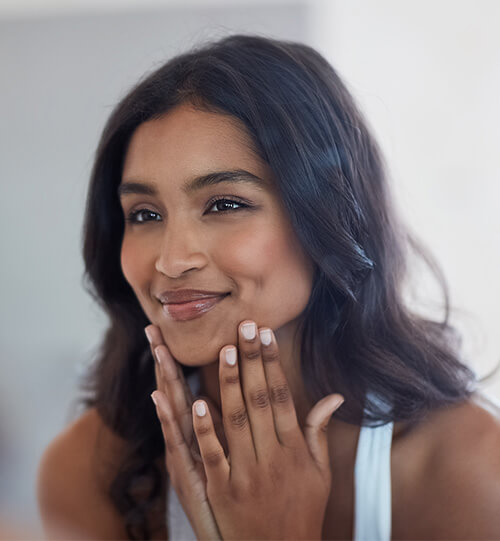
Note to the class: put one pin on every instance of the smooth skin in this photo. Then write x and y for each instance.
(445, 471)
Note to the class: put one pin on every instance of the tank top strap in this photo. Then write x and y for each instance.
(372, 482)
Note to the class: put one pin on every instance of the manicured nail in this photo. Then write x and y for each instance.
(265, 336)
(339, 403)
(157, 349)
(231, 356)
(148, 335)
(154, 399)
(248, 330)
(200, 409)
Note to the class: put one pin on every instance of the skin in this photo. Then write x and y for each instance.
(191, 248)
(445, 470)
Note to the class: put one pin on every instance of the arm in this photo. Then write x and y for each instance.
(473, 464)
(73, 503)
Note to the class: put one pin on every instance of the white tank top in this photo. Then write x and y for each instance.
(372, 488)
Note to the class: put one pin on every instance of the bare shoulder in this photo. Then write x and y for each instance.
(72, 478)
(455, 491)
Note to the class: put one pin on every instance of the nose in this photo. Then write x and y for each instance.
(181, 249)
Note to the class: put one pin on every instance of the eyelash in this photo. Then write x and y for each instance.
(132, 217)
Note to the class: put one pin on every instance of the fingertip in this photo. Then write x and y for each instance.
(149, 334)
(200, 408)
(339, 400)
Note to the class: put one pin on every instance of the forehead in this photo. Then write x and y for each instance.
(187, 141)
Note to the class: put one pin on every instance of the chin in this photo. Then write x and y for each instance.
(197, 356)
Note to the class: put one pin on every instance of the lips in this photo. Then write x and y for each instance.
(186, 295)
(193, 309)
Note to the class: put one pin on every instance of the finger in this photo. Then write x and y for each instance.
(174, 385)
(180, 464)
(214, 460)
(151, 334)
(217, 420)
(171, 380)
(188, 480)
(316, 429)
(156, 339)
(234, 411)
(255, 390)
(285, 417)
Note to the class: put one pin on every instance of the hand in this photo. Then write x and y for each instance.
(175, 412)
(274, 472)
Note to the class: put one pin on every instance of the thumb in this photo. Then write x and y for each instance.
(316, 429)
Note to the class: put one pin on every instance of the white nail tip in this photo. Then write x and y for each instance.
(248, 330)
(265, 336)
(231, 356)
(200, 409)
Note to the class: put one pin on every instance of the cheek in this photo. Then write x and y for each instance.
(133, 263)
(287, 277)
(275, 272)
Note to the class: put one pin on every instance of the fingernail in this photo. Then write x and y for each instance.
(248, 330)
(231, 356)
(148, 335)
(157, 349)
(200, 409)
(339, 403)
(265, 336)
(154, 399)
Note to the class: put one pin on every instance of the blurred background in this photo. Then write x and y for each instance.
(425, 73)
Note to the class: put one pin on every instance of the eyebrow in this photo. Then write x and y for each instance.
(237, 175)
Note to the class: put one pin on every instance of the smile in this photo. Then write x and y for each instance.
(191, 310)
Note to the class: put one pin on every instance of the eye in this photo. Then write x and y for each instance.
(141, 216)
(222, 205)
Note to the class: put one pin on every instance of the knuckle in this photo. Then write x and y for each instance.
(238, 419)
(164, 419)
(271, 356)
(213, 458)
(231, 379)
(323, 428)
(245, 488)
(204, 430)
(252, 355)
(280, 393)
(259, 398)
(173, 444)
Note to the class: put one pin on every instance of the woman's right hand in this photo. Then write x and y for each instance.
(178, 399)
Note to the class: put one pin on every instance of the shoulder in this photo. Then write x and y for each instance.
(467, 436)
(72, 481)
(459, 488)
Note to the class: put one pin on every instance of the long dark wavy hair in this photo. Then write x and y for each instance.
(358, 336)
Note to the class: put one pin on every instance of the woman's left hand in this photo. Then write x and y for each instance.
(276, 482)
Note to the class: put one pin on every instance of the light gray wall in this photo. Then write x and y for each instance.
(60, 78)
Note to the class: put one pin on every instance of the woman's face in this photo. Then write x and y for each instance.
(183, 239)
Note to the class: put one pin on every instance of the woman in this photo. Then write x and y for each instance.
(237, 187)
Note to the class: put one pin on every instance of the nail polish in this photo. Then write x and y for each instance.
(248, 330)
